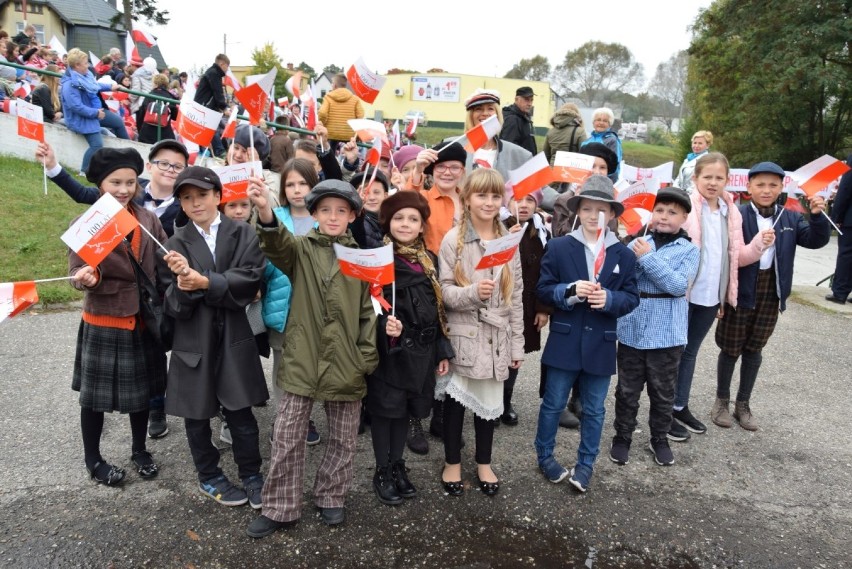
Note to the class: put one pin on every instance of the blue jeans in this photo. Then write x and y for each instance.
(113, 122)
(96, 141)
(701, 319)
(593, 390)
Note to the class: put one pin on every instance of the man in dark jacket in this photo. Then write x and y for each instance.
(517, 120)
(841, 214)
(211, 94)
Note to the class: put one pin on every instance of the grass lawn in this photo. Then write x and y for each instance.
(30, 229)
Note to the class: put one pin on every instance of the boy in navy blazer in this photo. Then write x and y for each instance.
(581, 345)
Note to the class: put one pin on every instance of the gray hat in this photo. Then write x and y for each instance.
(676, 195)
(598, 188)
(261, 141)
(334, 189)
(766, 168)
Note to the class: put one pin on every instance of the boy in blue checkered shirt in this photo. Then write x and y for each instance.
(652, 337)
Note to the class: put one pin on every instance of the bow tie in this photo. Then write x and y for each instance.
(766, 211)
(149, 198)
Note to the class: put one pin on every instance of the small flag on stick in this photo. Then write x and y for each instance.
(16, 297)
(99, 230)
(364, 83)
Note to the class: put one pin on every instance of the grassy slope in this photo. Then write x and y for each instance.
(30, 229)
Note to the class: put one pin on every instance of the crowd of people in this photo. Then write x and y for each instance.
(258, 277)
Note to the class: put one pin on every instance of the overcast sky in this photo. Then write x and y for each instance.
(457, 36)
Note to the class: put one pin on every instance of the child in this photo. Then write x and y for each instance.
(118, 365)
(331, 344)
(485, 325)
(531, 249)
(763, 287)
(366, 229)
(404, 383)
(651, 338)
(581, 345)
(217, 268)
(715, 227)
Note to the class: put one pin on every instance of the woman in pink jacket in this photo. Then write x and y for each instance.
(715, 226)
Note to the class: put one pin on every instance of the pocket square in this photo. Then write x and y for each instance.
(616, 270)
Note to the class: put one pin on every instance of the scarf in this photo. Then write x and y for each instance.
(416, 253)
(693, 155)
(85, 82)
(663, 239)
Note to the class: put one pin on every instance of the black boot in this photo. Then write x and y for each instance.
(436, 425)
(400, 477)
(509, 416)
(385, 487)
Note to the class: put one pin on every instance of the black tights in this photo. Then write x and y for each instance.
(748, 374)
(453, 423)
(388, 438)
(92, 424)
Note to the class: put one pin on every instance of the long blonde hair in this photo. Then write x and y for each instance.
(481, 181)
(52, 83)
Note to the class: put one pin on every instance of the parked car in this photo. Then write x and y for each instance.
(418, 116)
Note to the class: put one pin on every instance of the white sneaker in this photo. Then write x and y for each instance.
(225, 434)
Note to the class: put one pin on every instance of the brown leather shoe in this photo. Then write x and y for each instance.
(742, 413)
(720, 415)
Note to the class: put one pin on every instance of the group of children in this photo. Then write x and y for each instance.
(455, 333)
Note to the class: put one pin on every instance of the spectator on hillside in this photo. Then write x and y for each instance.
(602, 120)
(6, 73)
(46, 95)
(104, 67)
(26, 37)
(567, 134)
(211, 94)
(338, 106)
(517, 121)
(157, 116)
(701, 143)
(142, 81)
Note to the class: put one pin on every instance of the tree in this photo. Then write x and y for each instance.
(669, 84)
(536, 68)
(265, 58)
(306, 69)
(596, 67)
(135, 10)
(398, 71)
(773, 78)
(332, 69)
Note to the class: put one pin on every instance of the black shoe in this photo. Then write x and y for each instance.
(619, 450)
(453, 488)
(832, 298)
(385, 487)
(416, 439)
(568, 419)
(144, 463)
(509, 417)
(678, 433)
(404, 487)
(332, 516)
(663, 454)
(107, 474)
(262, 526)
(488, 488)
(689, 421)
(157, 426)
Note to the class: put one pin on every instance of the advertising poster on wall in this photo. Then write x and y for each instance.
(438, 88)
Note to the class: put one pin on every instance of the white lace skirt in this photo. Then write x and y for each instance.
(482, 396)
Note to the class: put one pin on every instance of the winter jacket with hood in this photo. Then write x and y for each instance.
(338, 106)
(566, 135)
(142, 80)
(81, 105)
(518, 128)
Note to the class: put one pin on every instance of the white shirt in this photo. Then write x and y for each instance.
(705, 289)
(210, 238)
(768, 256)
(158, 210)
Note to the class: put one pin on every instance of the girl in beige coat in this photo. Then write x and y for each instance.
(485, 326)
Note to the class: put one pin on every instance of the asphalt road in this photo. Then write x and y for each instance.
(777, 498)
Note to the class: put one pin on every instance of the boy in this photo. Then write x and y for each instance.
(581, 345)
(652, 337)
(331, 345)
(217, 268)
(763, 287)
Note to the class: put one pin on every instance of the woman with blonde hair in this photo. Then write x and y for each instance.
(701, 143)
(156, 115)
(46, 95)
(499, 154)
(567, 132)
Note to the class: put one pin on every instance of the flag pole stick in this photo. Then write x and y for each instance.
(647, 225)
(154, 238)
(393, 298)
(517, 213)
(251, 141)
(44, 174)
(53, 279)
(451, 142)
(831, 222)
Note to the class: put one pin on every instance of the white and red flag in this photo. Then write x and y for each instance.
(143, 36)
(634, 220)
(99, 230)
(30, 121)
(130, 48)
(572, 167)
(294, 84)
(792, 202)
(599, 250)
(397, 137)
(661, 173)
(816, 175)
(366, 129)
(309, 106)
(16, 297)
(364, 83)
(374, 154)
(232, 81)
(60, 50)
(638, 195)
(196, 123)
(230, 130)
(531, 176)
(374, 266)
(500, 251)
(411, 128)
(254, 97)
(94, 59)
(235, 179)
(475, 138)
(22, 89)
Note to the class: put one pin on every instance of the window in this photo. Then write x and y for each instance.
(19, 27)
(31, 8)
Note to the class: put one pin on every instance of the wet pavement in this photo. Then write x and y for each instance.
(777, 498)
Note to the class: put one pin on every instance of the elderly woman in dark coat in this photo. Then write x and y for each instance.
(217, 268)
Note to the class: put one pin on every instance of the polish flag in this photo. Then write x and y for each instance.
(410, 128)
(661, 173)
(283, 102)
(130, 49)
(309, 106)
(235, 179)
(374, 266)
(531, 176)
(294, 84)
(500, 251)
(197, 123)
(397, 137)
(22, 89)
(231, 126)
(792, 202)
(367, 130)
(599, 250)
(816, 175)
(94, 59)
(10, 106)
(638, 195)
(16, 297)
(232, 81)
(30, 121)
(255, 96)
(99, 230)
(364, 83)
(143, 36)
(60, 50)
(634, 220)
(475, 138)
(374, 153)
(572, 167)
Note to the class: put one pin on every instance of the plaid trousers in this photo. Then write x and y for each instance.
(284, 484)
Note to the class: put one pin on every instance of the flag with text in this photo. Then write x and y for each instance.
(99, 230)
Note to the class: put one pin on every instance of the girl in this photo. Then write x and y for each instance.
(117, 365)
(715, 226)
(404, 383)
(46, 96)
(485, 326)
(366, 228)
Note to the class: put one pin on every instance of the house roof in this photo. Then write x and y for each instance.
(84, 12)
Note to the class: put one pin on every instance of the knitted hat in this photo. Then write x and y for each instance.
(261, 141)
(454, 152)
(766, 168)
(199, 177)
(364, 178)
(405, 155)
(599, 150)
(480, 97)
(598, 188)
(676, 195)
(334, 189)
(107, 160)
(401, 200)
